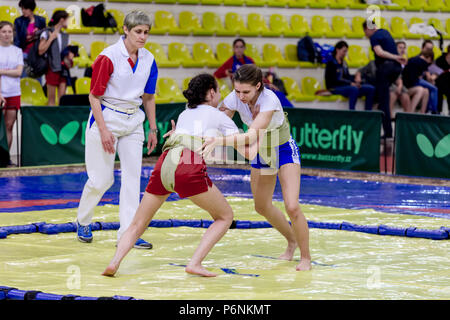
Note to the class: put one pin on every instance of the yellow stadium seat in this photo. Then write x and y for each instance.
(165, 21)
(186, 82)
(8, 13)
(357, 28)
(203, 53)
(400, 29)
(167, 90)
(320, 27)
(119, 16)
(187, 1)
(235, 23)
(96, 48)
(356, 4)
(446, 7)
(256, 23)
(339, 27)
(356, 56)
(223, 87)
(75, 25)
(224, 51)
(83, 85)
(300, 24)
(161, 1)
(83, 60)
(298, 3)
(434, 6)
(252, 51)
(160, 56)
(318, 4)
(212, 23)
(309, 87)
(340, 4)
(412, 51)
(371, 54)
(279, 24)
(233, 2)
(272, 54)
(255, 3)
(290, 51)
(278, 3)
(32, 92)
(190, 22)
(211, 2)
(292, 89)
(399, 5)
(416, 5)
(384, 24)
(447, 29)
(41, 12)
(437, 24)
(178, 51)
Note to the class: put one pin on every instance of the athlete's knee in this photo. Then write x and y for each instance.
(100, 185)
(262, 208)
(292, 209)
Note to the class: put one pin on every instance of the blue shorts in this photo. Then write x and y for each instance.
(287, 153)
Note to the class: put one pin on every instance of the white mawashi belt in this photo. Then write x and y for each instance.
(120, 109)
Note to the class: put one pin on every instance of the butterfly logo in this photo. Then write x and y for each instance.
(441, 150)
(66, 134)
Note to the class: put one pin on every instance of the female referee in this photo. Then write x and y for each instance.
(180, 169)
(278, 154)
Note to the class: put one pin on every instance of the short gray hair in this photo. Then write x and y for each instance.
(136, 18)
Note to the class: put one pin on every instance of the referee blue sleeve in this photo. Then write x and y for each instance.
(150, 87)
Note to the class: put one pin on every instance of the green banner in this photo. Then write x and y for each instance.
(327, 138)
(339, 139)
(422, 145)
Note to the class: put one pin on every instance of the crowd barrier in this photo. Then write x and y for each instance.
(334, 139)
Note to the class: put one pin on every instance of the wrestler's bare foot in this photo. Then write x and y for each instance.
(289, 253)
(110, 271)
(304, 265)
(199, 270)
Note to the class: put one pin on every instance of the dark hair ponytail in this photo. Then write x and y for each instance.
(249, 73)
(57, 15)
(198, 88)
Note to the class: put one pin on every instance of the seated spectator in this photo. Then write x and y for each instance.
(339, 81)
(26, 27)
(411, 76)
(55, 77)
(272, 82)
(397, 90)
(443, 80)
(238, 59)
(430, 76)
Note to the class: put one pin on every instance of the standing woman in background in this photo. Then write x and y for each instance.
(278, 156)
(11, 67)
(123, 78)
(54, 76)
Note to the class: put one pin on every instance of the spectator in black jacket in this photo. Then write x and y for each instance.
(26, 27)
(339, 81)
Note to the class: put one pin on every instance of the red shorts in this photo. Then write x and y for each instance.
(54, 78)
(190, 176)
(12, 103)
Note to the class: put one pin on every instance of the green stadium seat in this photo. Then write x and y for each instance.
(41, 12)
(32, 92)
(279, 24)
(233, 2)
(8, 13)
(356, 56)
(187, 1)
(309, 87)
(224, 51)
(357, 5)
(399, 5)
(179, 52)
(273, 55)
(292, 89)
(212, 23)
(167, 90)
(318, 4)
(278, 3)
(211, 2)
(75, 25)
(339, 4)
(290, 51)
(161, 1)
(437, 52)
(300, 24)
(319, 27)
(447, 29)
(186, 82)
(437, 24)
(256, 23)
(252, 51)
(203, 53)
(235, 23)
(446, 7)
(119, 16)
(83, 85)
(160, 56)
(96, 48)
(224, 88)
(190, 22)
(339, 27)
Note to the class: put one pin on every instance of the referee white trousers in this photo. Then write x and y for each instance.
(129, 138)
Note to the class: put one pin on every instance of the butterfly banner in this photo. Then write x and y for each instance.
(422, 145)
